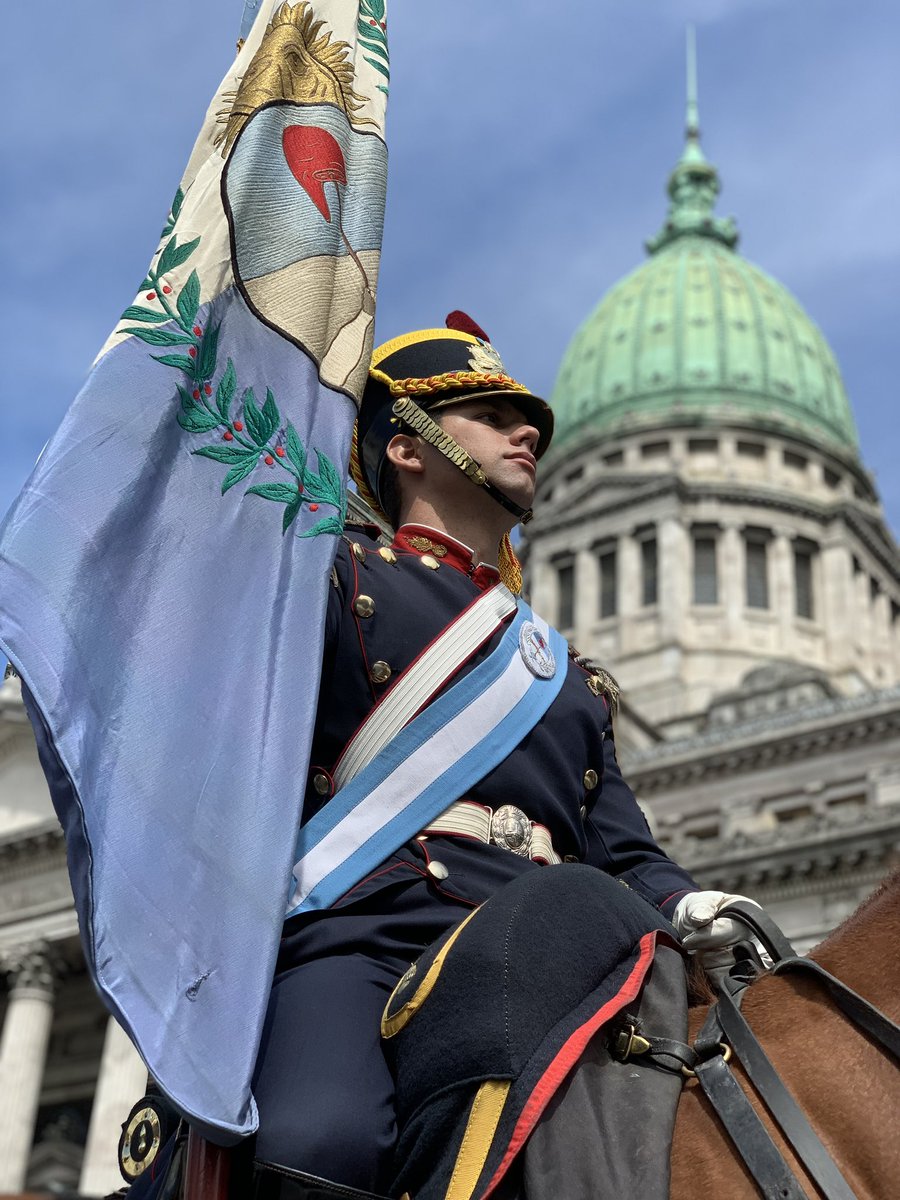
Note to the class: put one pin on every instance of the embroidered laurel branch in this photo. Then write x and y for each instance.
(372, 31)
(250, 435)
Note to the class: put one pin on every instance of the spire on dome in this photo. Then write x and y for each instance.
(694, 184)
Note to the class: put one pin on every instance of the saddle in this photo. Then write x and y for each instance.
(469, 1126)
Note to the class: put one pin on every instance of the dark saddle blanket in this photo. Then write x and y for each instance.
(505, 1085)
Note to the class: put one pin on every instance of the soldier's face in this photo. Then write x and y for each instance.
(497, 434)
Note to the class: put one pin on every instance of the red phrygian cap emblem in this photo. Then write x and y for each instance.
(463, 323)
(315, 159)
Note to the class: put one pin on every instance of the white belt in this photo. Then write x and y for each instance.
(506, 826)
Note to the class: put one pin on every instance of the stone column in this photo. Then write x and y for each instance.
(862, 624)
(122, 1081)
(542, 585)
(837, 603)
(782, 577)
(881, 640)
(587, 596)
(732, 581)
(674, 583)
(629, 599)
(23, 1050)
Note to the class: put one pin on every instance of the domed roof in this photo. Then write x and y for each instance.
(698, 335)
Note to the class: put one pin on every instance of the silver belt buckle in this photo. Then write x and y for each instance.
(511, 829)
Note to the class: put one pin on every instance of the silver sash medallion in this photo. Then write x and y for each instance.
(536, 652)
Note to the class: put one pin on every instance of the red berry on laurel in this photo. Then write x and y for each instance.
(192, 352)
(196, 393)
(269, 460)
(228, 436)
(299, 487)
(314, 508)
(208, 389)
(279, 450)
(239, 425)
(197, 330)
(166, 289)
(151, 295)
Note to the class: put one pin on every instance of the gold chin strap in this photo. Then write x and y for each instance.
(407, 411)
(428, 429)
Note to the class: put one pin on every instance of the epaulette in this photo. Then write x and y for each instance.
(598, 679)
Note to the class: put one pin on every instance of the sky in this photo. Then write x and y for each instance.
(529, 149)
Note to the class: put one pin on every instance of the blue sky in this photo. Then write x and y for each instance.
(530, 144)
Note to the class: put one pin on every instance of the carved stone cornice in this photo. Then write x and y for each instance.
(781, 737)
(33, 877)
(31, 850)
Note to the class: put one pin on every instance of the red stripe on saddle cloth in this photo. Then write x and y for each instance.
(569, 1054)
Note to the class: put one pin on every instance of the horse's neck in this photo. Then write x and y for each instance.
(862, 951)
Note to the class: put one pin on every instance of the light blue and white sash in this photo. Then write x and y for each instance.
(436, 758)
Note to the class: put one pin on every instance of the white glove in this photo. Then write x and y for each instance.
(698, 926)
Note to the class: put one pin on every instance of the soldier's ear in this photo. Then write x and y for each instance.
(407, 452)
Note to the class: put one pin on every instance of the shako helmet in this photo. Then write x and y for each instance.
(419, 373)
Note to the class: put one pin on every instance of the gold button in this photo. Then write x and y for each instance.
(380, 672)
(364, 606)
(429, 561)
(387, 554)
(591, 779)
(358, 552)
(321, 783)
(570, 858)
(437, 870)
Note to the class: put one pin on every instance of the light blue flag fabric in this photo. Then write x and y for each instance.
(163, 575)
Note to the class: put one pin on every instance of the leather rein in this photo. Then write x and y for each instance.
(726, 1033)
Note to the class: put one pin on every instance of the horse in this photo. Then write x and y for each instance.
(848, 1087)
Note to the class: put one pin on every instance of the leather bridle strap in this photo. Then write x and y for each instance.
(761, 1156)
(779, 1101)
(761, 924)
(763, 1159)
(870, 1019)
(727, 1023)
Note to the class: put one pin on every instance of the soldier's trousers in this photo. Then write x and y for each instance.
(325, 1094)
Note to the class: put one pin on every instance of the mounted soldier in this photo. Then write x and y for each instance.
(443, 693)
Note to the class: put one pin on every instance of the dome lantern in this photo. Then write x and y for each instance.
(694, 185)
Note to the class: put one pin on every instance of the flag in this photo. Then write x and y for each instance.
(163, 574)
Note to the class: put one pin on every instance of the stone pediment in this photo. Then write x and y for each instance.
(775, 687)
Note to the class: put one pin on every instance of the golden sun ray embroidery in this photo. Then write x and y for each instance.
(295, 61)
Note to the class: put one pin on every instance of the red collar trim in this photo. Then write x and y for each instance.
(422, 539)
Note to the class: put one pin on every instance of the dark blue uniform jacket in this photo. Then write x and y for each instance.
(384, 609)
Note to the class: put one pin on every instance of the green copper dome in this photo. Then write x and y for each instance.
(698, 335)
